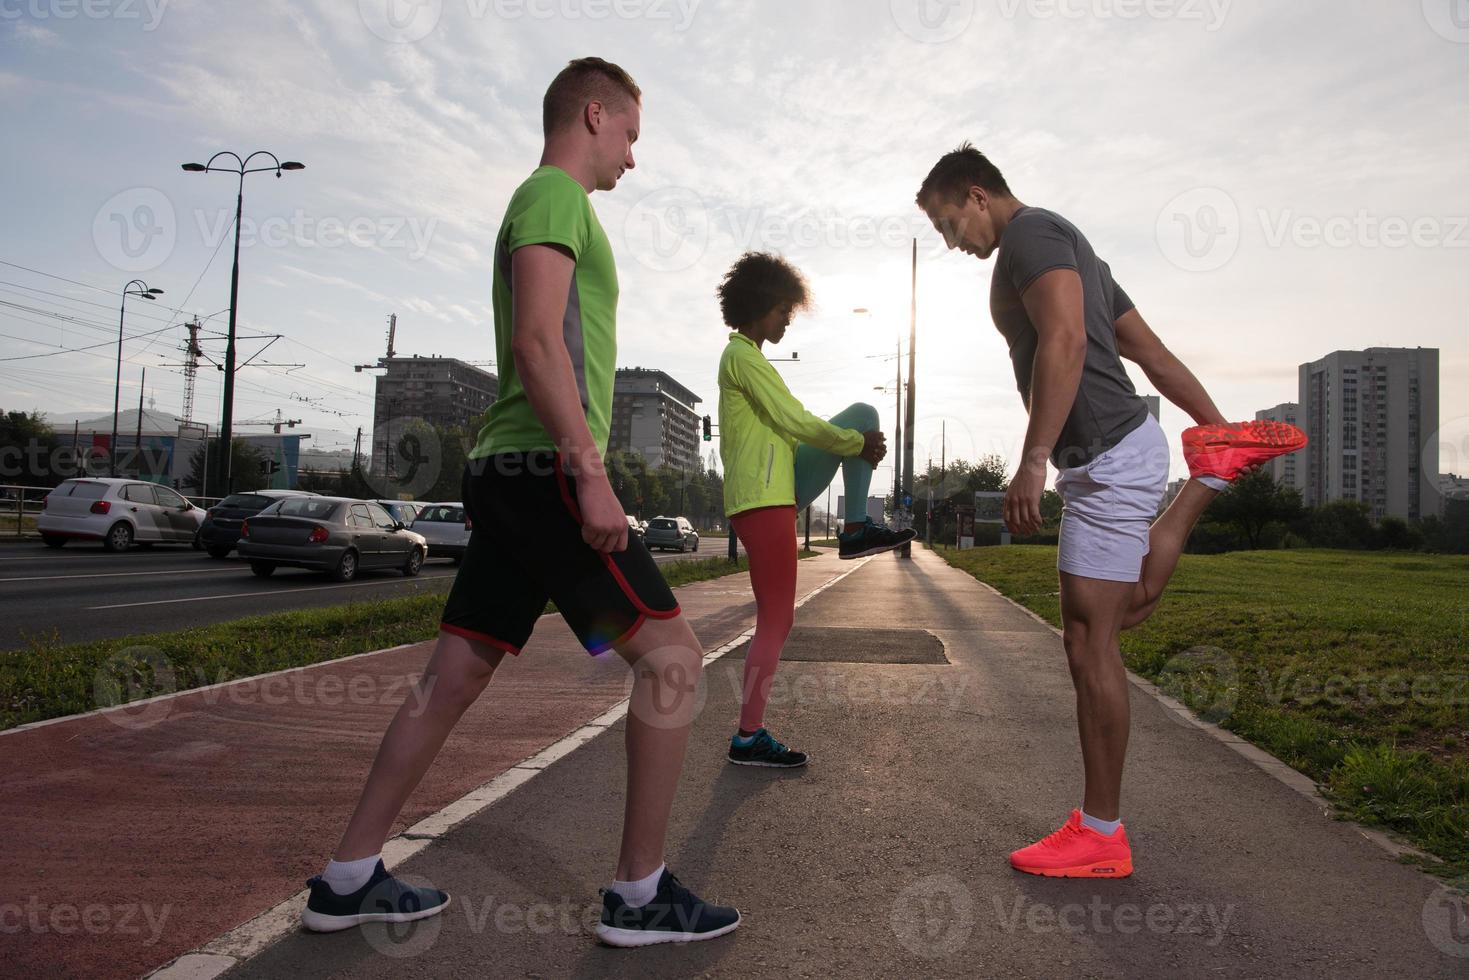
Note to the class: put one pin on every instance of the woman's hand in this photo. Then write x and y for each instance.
(874, 448)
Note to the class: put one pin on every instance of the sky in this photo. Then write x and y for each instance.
(1269, 182)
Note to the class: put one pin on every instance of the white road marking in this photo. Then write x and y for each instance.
(244, 595)
(176, 571)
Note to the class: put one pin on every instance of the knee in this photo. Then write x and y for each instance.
(863, 417)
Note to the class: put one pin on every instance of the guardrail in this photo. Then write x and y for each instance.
(20, 506)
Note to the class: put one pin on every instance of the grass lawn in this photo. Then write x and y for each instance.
(1353, 667)
(48, 680)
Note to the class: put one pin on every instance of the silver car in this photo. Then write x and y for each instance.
(445, 528)
(329, 534)
(118, 513)
(671, 534)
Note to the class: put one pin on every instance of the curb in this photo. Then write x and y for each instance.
(253, 937)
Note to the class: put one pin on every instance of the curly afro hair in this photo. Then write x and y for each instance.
(757, 284)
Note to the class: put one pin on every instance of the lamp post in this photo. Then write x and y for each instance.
(135, 288)
(242, 168)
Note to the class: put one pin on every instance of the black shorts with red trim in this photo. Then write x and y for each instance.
(526, 547)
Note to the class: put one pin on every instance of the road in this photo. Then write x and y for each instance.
(83, 593)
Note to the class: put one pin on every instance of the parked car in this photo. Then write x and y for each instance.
(445, 528)
(402, 510)
(635, 527)
(671, 534)
(221, 528)
(118, 513)
(330, 534)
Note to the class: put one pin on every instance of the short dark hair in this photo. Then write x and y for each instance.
(957, 171)
(586, 80)
(757, 284)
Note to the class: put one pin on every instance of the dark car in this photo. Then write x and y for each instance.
(330, 534)
(220, 531)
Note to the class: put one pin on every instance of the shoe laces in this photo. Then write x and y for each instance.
(1059, 838)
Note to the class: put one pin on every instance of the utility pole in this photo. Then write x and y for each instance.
(138, 442)
(357, 452)
(907, 550)
(898, 436)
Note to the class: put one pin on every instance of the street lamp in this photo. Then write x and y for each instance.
(135, 288)
(242, 168)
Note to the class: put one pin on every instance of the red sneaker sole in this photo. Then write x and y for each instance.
(1113, 869)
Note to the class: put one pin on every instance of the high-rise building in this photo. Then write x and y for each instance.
(654, 415)
(1288, 470)
(1371, 416)
(442, 391)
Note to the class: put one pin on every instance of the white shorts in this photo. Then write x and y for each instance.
(1110, 506)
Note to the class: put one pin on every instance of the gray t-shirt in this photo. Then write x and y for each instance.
(1107, 407)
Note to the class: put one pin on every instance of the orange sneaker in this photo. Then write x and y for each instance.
(1225, 451)
(1076, 851)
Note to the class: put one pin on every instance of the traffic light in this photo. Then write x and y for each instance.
(708, 428)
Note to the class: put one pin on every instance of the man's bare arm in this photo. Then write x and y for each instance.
(540, 283)
(1054, 305)
(1137, 342)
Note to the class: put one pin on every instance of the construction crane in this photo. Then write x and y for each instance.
(382, 362)
(192, 353)
(276, 423)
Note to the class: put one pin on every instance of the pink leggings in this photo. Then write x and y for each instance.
(769, 537)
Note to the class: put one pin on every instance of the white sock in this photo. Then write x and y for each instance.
(1105, 827)
(1213, 482)
(345, 877)
(639, 893)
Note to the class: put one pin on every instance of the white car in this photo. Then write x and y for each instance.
(118, 513)
(447, 529)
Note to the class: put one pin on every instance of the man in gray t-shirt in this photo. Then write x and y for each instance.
(1068, 326)
(1107, 407)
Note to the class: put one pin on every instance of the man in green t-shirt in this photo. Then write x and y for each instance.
(547, 526)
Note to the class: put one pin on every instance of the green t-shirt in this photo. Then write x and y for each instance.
(552, 208)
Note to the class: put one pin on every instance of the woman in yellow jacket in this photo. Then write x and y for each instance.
(777, 459)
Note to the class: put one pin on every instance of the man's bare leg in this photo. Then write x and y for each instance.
(1166, 541)
(1092, 612)
(455, 676)
(667, 662)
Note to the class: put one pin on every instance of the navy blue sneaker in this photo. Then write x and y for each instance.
(871, 539)
(675, 915)
(765, 751)
(383, 899)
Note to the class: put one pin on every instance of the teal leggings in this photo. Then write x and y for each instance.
(816, 468)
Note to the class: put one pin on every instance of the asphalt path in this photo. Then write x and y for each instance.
(81, 592)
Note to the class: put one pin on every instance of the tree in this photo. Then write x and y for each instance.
(1340, 524)
(245, 472)
(1252, 503)
(28, 451)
